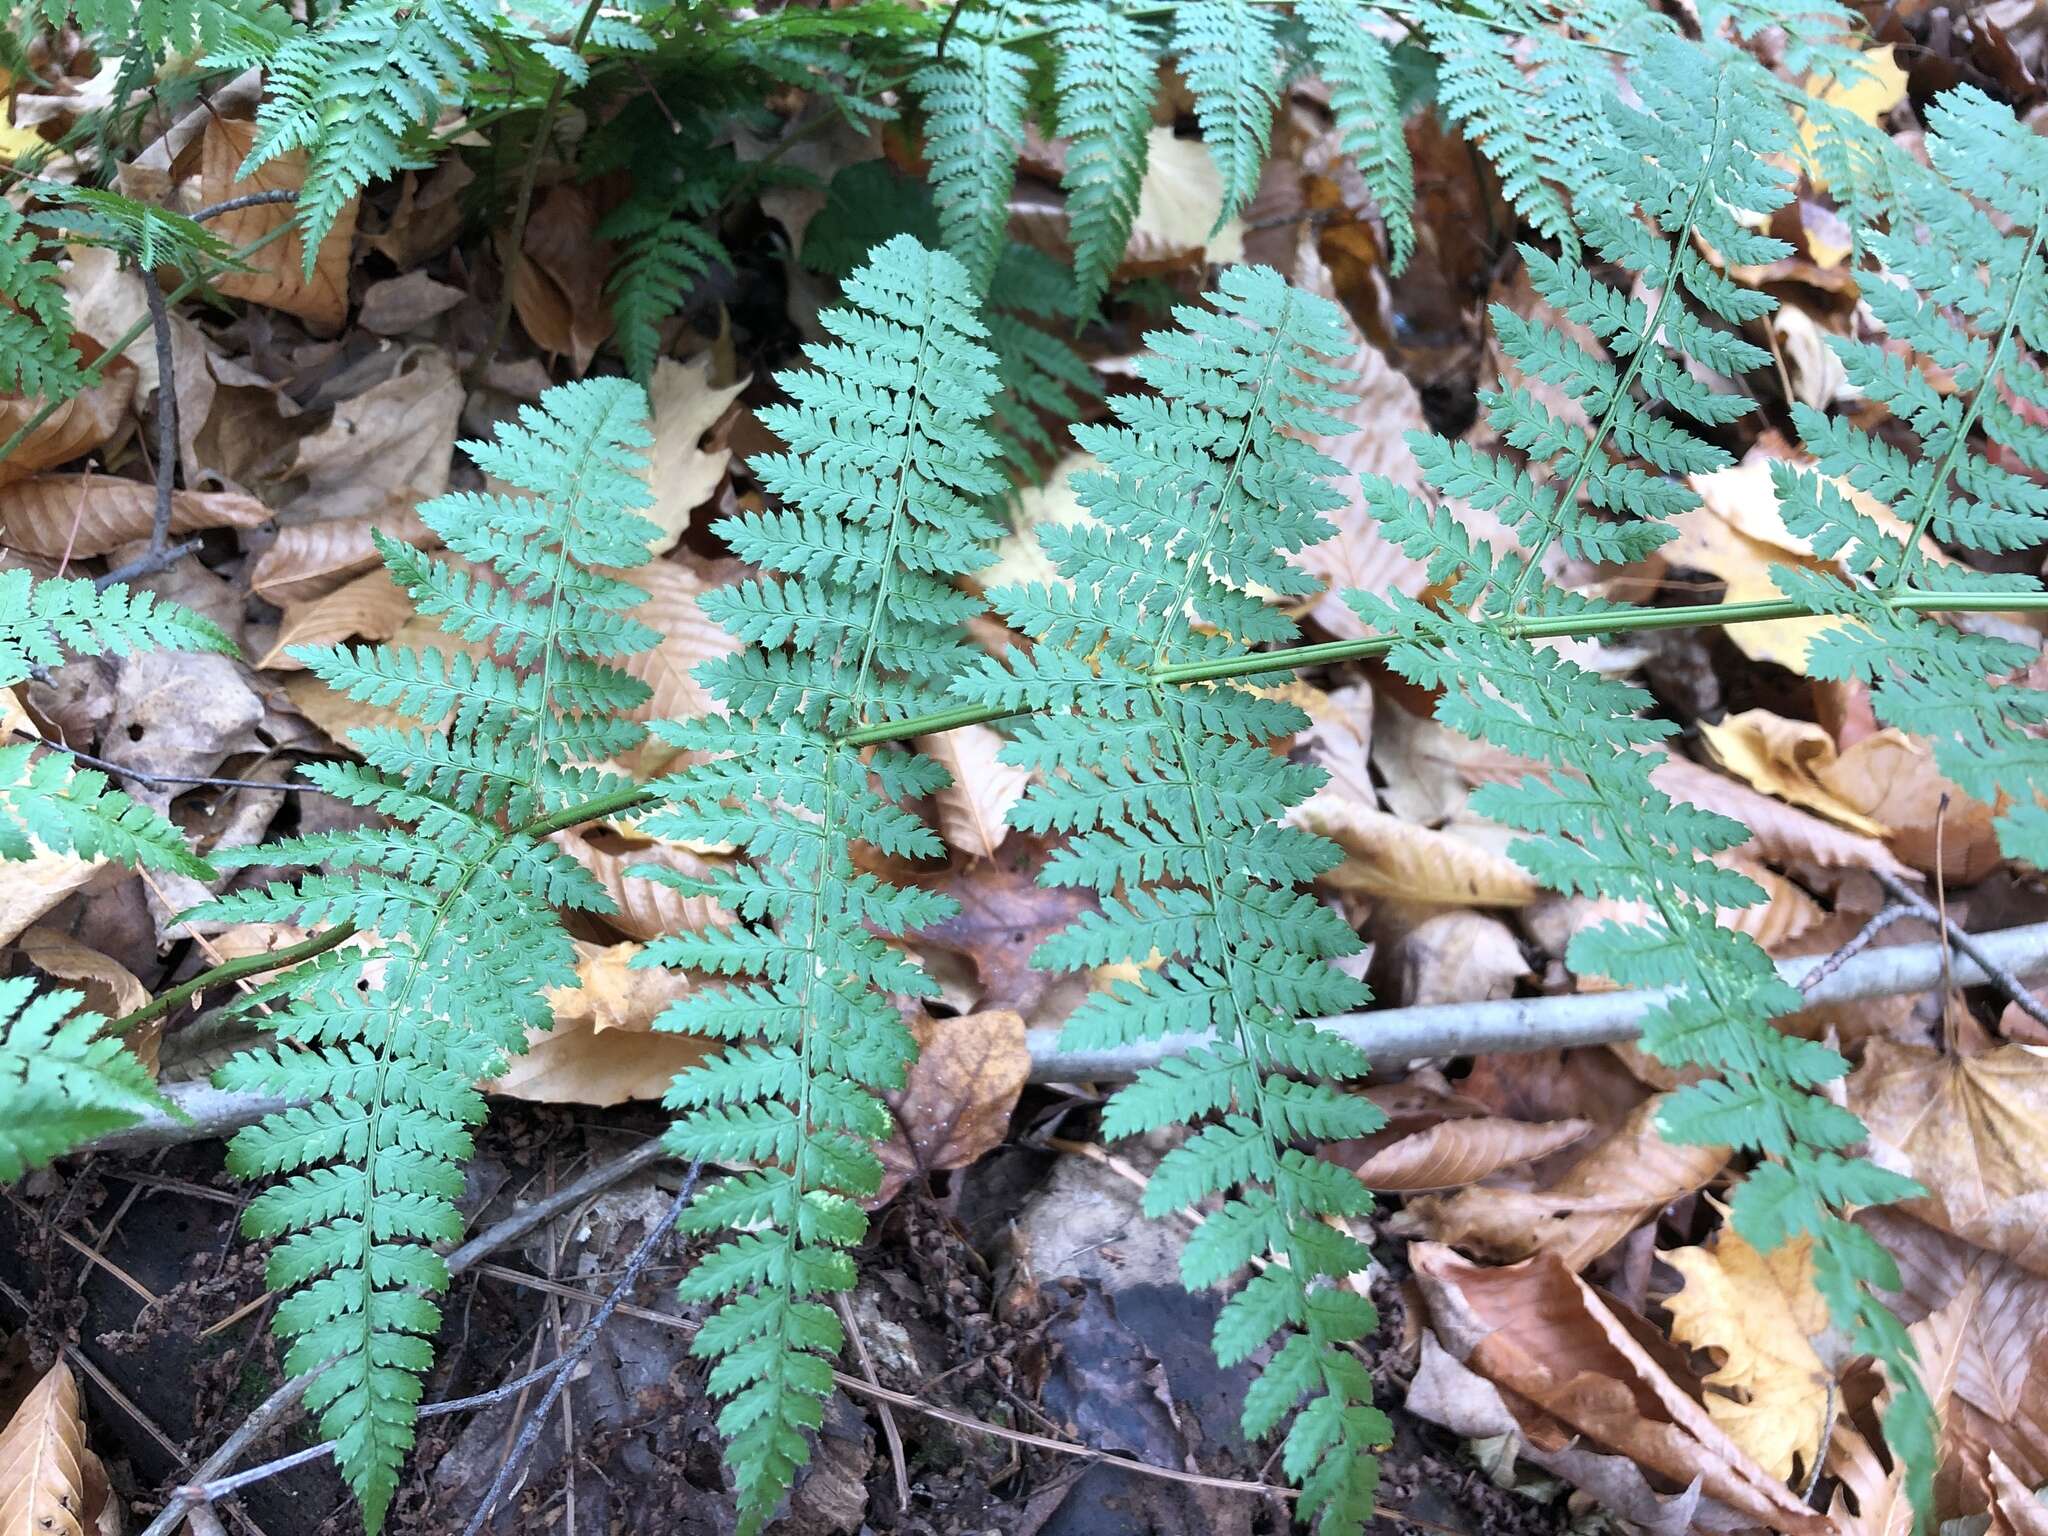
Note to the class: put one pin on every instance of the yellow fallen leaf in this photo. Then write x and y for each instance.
(1878, 87)
(1791, 759)
(685, 405)
(50, 1483)
(1757, 1314)
(603, 1048)
(1387, 856)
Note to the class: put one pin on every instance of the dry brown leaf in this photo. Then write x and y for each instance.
(279, 281)
(1455, 1153)
(51, 1484)
(309, 560)
(1339, 740)
(1178, 201)
(1778, 832)
(1387, 856)
(1883, 1507)
(1428, 771)
(87, 515)
(971, 809)
(110, 988)
(395, 440)
(647, 908)
(2020, 1507)
(1791, 759)
(1973, 1130)
(956, 1105)
(38, 883)
(1891, 778)
(372, 607)
(1614, 1188)
(400, 304)
(603, 1048)
(1758, 1314)
(1786, 913)
(683, 473)
(86, 421)
(1457, 957)
(1020, 559)
(558, 289)
(1572, 1367)
(687, 638)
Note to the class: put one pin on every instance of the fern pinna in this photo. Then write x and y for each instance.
(1698, 156)
(854, 623)
(1167, 797)
(1966, 288)
(383, 1045)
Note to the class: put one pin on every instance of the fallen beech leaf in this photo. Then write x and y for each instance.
(687, 638)
(395, 439)
(603, 1048)
(1004, 915)
(88, 420)
(1973, 1130)
(1608, 1193)
(683, 473)
(1428, 771)
(1339, 740)
(1891, 778)
(1387, 856)
(1758, 1314)
(1020, 559)
(646, 908)
(1786, 913)
(373, 607)
(280, 280)
(1455, 1153)
(1787, 758)
(1540, 1333)
(1877, 87)
(971, 809)
(956, 1105)
(400, 304)
(34, 885)
(2024, 1510)
(110, 988)
(558, 289)
(1883, 1507)
(87, 515)
(1778, 832)
(1178, 201)
(309, 560)
(1457, 957)
(51, 1484)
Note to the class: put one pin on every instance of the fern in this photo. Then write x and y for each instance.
(1961, 286)
(156, 27)
(1039, 371)
(352, 91)
(36, 355)
(1106, 78)
(854, 623)
(1231, 61)
(146, 234)
(1166, 797)
(1359, 71)
(1702, 152)
(974, 100)
(63, 1080)
(382, 1047)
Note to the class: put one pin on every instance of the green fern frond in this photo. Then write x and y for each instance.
(1166, 799)
(384, 1046)
(1040, 372)
(352, 91)
(42, 620)
(853, 622)
(974, 101)
(1106, 78)
(1229, 56)
(62, 1079)
(36, 356)
(143, 232)
(1358, 69)
(1703, 149)
(157, 27)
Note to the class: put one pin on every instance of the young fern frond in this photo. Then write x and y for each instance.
(1358, 69)
(36, 356)
(383, 1045)
(1165, 798)
(854, 622)
(1966, 293)
(1230, 58)
(63, 1080)
(1693, 159)
(974, 101)
(1106, 78)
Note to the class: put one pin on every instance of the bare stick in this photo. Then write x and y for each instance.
(160, 779)
(1971, 947)
(1861, 941)
(529, 1432)
(890, 1432)
(246, 200)
(159, 554)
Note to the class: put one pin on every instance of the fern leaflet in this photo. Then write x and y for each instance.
(974, 101)
(1107, 76)
(1231, 60)
(1356, 66)
(63, 1080)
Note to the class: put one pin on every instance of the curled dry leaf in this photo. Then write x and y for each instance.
(279, 281)
(1973, 1130)
(1780, 833)
(558, 289)
(603, 1048)
(37, 883)
(1386, 856)
(956, 1105)
(683, 472)
(88, 420)
(1454, 1153)
(646, 908)
(308, 560)
(86, 515)
(1572, 1366)
(1616, 1186)
(51, 1484)
(110, 988)
(372, 607)
(1758, 1314)
(971, 809)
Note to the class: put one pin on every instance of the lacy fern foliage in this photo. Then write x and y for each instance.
(63, 1078)
(853, 623)
(383, 1044)
(1167, 799)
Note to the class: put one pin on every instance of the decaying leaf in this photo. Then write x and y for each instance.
(1758, 1314)
(86, 421)
(646, 908)
(1454, 1153)
(1883, 1507)
(686, 405)
(956, 1105)
(395, 440)
(110, 988)
(1387, 856)
(687, 638)
(85, 515)
(971, 809)
(307, 560)
(279, 281)
(1615, 1187)
(603, 1048)
(372, 607)
(51, 1484)
(1780, 833)
(558, 288)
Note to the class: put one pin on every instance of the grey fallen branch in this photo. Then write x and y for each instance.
(1389, 1037)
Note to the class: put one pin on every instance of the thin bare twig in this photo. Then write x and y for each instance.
(1858, 942)
(897, 1464)
(246, 200)
(205, 780)
(159, 554)
(566, 1364)
(1970, 946)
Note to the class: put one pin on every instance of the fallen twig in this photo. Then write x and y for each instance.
(1970, 945)
(160, 554)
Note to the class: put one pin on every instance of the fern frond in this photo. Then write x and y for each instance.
(1356, 66)
(157, 27)
(886, 467)
(1230, 58)
(1106, 78)
(974, 101)
(36, 356)
(148, 234)
(1040, 372)
(1168, 811)
(62, 1079)
(384, 1046)
(1704, 148)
